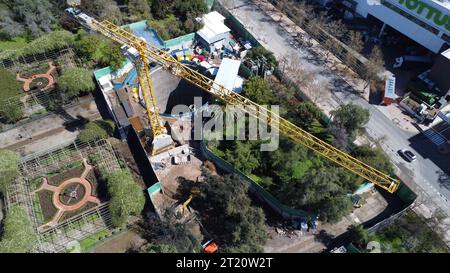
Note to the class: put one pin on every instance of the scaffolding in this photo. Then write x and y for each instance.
(80, 226)
(20, 62)
(38, 103)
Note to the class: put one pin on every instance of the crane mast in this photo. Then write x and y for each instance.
(297, 134)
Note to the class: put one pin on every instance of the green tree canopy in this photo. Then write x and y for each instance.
(27, 17)
(97, 130)
(229, 215)
(139, 10)
(76, 81)
(260, 51)
(306, 113)
(99, 49)
(374, 157)
(127, 197)
(9, 168)
(318, 192)
(18, 234)
(258, 90)
(351, 117)
(241, 154)
(168, 236)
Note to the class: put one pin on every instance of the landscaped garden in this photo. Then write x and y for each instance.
(66, 192)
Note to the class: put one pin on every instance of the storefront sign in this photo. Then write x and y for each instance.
(439, 17)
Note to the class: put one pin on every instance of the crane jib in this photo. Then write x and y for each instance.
(168, 62)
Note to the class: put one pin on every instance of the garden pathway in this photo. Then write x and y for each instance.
(47, 75)
(58, 190)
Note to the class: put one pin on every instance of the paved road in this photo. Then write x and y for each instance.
(423, 172)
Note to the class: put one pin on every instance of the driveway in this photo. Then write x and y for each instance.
(422, 175)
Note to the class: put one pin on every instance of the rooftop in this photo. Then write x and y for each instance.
(228, 73)
(213, 26)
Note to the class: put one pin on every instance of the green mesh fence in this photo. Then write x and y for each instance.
(188, 38)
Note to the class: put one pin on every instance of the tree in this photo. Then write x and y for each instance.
(374, 66)
(260, 51)
(95, 130)
(355, 41)
(374, 157)
(290, 162)
(318, 192)
(168, 236)
(112, 56)
(241, 155)
(227, 213)
(317, 90)
(93, 47)
(75, 81)
(9, 168)
(19, 17)
(106, 9)
(258, 90)
(139, 10)
(302, 12)
(161, 8)
(361, 236)
(127, 197)
(9, 28)
(306, 113)
(18, 234)
(351, 117)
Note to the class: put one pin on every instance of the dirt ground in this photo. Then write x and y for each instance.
(307, 242)
(120, 243)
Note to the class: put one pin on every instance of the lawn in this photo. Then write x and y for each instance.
(9, 86)
(16, 43)
(88, 243)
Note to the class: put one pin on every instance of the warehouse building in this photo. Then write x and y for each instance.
(425, 21)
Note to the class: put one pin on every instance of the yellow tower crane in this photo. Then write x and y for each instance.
(149, 52)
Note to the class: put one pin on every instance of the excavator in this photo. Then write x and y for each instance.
(148, 52)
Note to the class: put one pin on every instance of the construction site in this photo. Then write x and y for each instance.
(141, 95)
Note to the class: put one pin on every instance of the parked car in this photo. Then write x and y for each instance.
(407, 155)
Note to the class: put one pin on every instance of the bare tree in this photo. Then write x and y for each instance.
(297, 70)
(302, 12)
(282, 5)
(355, 41)
(317, 90)
(373, 66)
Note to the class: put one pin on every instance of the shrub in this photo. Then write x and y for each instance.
(9, 168)
(18, 235)
(126, 197)
(75, 81)
(96, 130)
